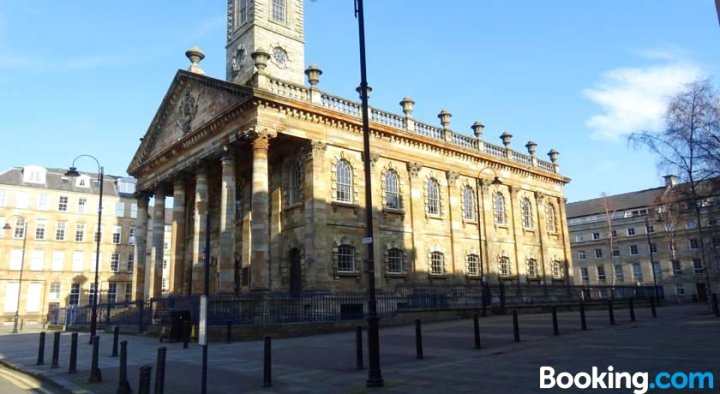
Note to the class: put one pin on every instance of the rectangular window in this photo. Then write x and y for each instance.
(21, 200)
(630, 231)
(241, 12)
(650, 229)
(679, 290)
(619, 274)
(691, 224)
(92, 293)
(115, 262)
(112, 293)
(33, 297)
(55, 291)
(131, 236)
(78, 261)
(97, 236)
(598, 253)
(133, 210)
(11, 296)
(38, 260)
(120, 209)
(74, 298)
(653, 248)
(637, 272)
(42, 202)
(657, 269)
(128, 291)
(676, 267)
(63, 204)
(615, 251)
(584, 276)
(19, 232)
(694, 244)
(579, 238)
(279, 10)
(79, 232)
(58, 260)
(601, 273)
(82, 205)
(16, 256)
(130, 262)
(596, 236)
(40, 227)
(60, 231)
(581, 255)
(698, 266)
(117, 231)
(613, 233)
(633, 249)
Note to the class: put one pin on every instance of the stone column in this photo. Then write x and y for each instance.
(226, 262)
(158, 243)
(177, 261)
(140, 250)
(260, 244)
(198, 240)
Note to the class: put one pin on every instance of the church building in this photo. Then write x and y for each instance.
(277, 164)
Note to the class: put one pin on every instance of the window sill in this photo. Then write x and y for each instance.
(293, 206)
(394, 211)
(473, 277)
(434, 216)
(348, 274)
(396, 274)
(342, 204)
(498, 225)
(438, 276)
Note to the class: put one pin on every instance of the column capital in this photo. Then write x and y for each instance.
(260, 136)
(143, 198)
(414, 169)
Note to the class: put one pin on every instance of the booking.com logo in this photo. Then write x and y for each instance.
(641, 382)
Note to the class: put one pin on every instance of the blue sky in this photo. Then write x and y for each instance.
(578, 76)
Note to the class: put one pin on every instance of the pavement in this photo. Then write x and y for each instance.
(681, 338)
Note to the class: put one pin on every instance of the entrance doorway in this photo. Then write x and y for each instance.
(701, 292)
(295, 272)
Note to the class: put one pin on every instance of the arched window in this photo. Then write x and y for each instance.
(344, 181)
(532, 268)
(504, 267)
(468, 203)
(437, 263)
(551, 218)
(392, 190)
(395, 261)
(499, 208)
(473, 265)
(556, 270)
(433, 197)
(346, 258)
(526, 213)
(294, 184)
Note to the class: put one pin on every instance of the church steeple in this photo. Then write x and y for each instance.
(272, 26)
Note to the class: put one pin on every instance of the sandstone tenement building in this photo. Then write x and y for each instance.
(277, 165)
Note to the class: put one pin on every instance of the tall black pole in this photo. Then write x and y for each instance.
(22, 268)
(207, 293)
(652, 260)
(374, 374)
(93, 319)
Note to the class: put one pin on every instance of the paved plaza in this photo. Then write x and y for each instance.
(682, 338)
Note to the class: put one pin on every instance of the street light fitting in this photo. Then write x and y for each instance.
(72, 172)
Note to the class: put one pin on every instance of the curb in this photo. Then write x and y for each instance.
(57, 382)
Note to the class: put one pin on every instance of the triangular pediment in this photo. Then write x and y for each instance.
(191, 102)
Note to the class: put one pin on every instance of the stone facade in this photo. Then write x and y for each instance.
(278, 167)
(54, 250)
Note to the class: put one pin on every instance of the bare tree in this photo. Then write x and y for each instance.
(689, 147)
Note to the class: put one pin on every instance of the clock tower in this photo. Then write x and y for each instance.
(272, 26)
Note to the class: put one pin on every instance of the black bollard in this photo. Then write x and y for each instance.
(611, 314)
(715, 305)
(41, 349)
(583, 322)
(56, 350)
(631, 306)
(267, 364)
(73, 353)
(556, 329)
(116, 335)
(652, 306)
(228, 333)
(95, 374)
(160, 371)
(144, 383)
(359, 348)
(123, 384)
(516, 328)
(186, 334)
(418, 340)
(476, 331)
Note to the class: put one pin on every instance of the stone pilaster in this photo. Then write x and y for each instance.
(177, 262)
(226, 263)
(544, 269)
(517, 233)
(199, 222)
(141, 224)
(457, 260)
(157, 248)
(417, 220)
(565, 238)
(315, 215)
(260, 230)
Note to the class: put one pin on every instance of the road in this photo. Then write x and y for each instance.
(14, 382)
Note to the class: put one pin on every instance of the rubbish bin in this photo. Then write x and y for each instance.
(177, 325)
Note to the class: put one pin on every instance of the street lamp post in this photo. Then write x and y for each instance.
(73, 172)
(22, 268)
(652, 259)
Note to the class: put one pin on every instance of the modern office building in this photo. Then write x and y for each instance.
(277, 164)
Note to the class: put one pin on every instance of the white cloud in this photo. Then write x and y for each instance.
(635, 98)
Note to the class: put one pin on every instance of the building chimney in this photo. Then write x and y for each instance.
(670, 181)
